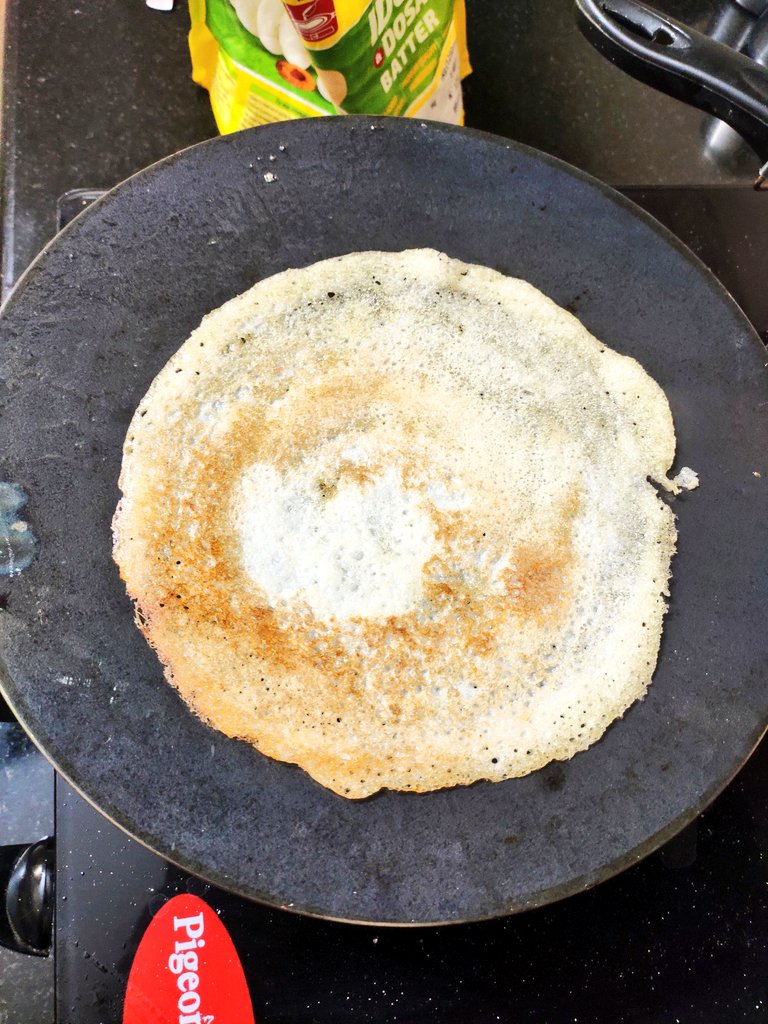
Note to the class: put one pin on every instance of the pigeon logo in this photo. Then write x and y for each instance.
(184, 962)
(186, 970)
(315, 20)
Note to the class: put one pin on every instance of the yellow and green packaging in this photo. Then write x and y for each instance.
(271, 60)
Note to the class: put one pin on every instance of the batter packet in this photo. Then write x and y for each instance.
(272, 60)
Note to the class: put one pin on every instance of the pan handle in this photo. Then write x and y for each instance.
(683, 63)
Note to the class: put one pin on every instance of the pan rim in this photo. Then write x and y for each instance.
(614, 193)
(540, 899)
(545, 896)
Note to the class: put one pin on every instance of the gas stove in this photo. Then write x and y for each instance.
(682, 936)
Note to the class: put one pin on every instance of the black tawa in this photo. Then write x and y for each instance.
(100, 312)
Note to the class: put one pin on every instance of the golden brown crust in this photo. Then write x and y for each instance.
(539, 608)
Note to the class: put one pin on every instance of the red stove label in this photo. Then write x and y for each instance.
(186, 970)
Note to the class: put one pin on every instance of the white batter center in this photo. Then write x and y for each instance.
(357, 550)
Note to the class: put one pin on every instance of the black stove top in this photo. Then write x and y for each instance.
(681, 937)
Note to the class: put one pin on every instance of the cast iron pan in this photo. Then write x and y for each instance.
(112, 298)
